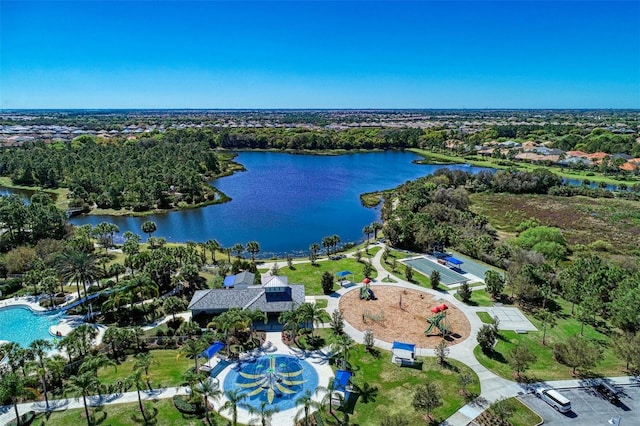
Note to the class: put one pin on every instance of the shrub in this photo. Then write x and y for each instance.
(465, 292)
(186, 407)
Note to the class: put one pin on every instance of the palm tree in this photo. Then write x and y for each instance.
(149, 227)
(342, 344)
(39, 348)
(13, 387)
(213, 246)
(238, 249)
(84, 384)
(234, 398)
(50, 285)
(254, 248)
(307, 404)
(313, 252)
(81, 268)
(143, 362)
(138, 382)
(92, 363)
(368, 230)
(192, 349)
(172, 305)
(376, 226)
(335, 240)
(207, 388)
(290, 320)
(83, 335)
(326, 243)
(313, 314)
(264, 413)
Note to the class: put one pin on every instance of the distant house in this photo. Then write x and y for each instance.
(272, 297)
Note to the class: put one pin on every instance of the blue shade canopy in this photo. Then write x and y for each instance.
(344, 273)
(453, 260)
(341, 380)
(212, 350)
(403, 346)
(228, 281)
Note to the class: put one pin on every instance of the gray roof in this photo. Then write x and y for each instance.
(253, 297)
(244, 277)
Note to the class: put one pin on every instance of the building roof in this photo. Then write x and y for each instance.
(253, 297)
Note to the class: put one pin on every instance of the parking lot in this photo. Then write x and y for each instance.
(589, 407)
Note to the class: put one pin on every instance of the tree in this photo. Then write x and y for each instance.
(172, 305)
(326, 243)
(367, 230)
(577, 352)
(548, 319)
(254, 248)
(39, 348)
(369, 340)
(307, 403)
(503, 410)
(376, 226)
(265, 414)
(12, 387)
(367, 269)
(327, 282)
(442, 351)
(426, 398)
(207, 388)
(337, 322)
(192, 349)
(137, 380)
(234, 398)
(149, 227)
(313, 252)
(435, 279)
(465, 379)
(519, 358)
(487, 336)
(238, 248)
(627, 348)
(84, 384)
(50, 284)
(335, 240)
(408, 272)
(79, 267)
(342, 344)
(312, 314)
(464, 291)
(494, 282)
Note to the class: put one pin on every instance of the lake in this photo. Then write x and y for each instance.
(286, 201)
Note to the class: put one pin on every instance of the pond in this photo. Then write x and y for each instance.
(286, 201)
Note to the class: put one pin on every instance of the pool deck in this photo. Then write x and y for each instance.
(319, 360)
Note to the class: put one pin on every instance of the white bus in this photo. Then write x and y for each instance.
(554, 399)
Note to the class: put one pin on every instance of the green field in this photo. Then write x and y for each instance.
(310, 275)
(396, 386)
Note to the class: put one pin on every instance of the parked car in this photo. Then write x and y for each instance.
(554, 399)
(608, 392)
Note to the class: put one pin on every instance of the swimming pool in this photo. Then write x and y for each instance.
(22, 325)
(276, 379)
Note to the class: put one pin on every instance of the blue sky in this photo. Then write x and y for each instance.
(363, 54)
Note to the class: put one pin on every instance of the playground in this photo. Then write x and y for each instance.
(401, 314)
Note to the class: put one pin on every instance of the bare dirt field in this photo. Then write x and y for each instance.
(404, 322)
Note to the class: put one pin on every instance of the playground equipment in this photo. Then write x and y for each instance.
(378, 317)
(365, 291)
(439, 321)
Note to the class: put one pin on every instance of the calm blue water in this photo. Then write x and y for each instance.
(287, 202)
(255, 378)
(22, 325)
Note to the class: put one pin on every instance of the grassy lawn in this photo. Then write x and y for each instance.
(322, 303)
(485, 317)
(310, 275)
(478, 298)
(121, 415)
(396, 386)
(167, 370)
(546, 368)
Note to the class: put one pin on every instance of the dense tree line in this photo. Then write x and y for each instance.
(149, 172)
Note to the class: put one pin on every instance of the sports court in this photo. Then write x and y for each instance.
(425, 266)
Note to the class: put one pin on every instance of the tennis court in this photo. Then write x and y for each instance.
(425, 266)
